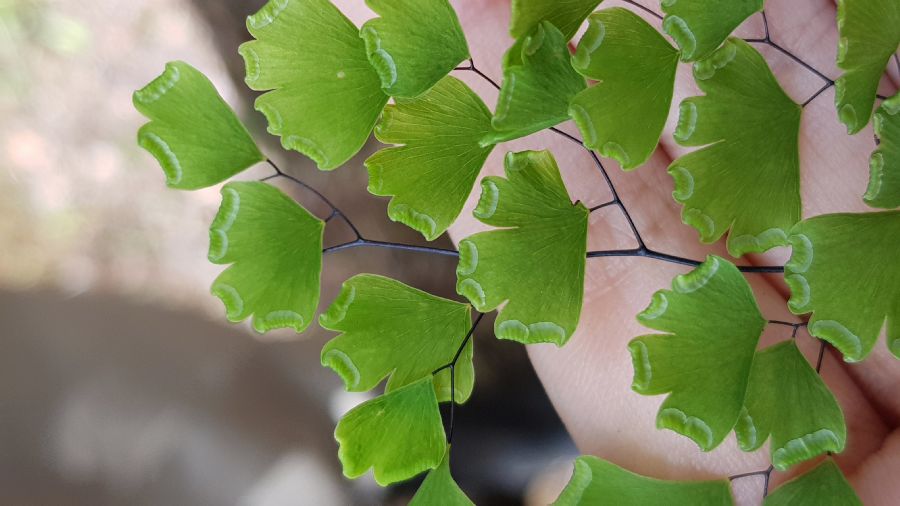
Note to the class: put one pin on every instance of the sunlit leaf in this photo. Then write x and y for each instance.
(869, 35)
(439, 489)
(432, 173)
(325, 95)
(275, 248)
(399, 434)
(623, 115)
(192, 133)
(596, 481)
(747, 177)
(788, 399)
(538, 83)
(539, 250)
(884, 165)
(389, 328)
(700, 26)
(566, 15)
(823, 486)
(413, 44)
(844, 270)
(712, 326)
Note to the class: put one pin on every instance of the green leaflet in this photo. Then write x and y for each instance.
(413, 44)
(747, 177)
(823, 486)
(193, 134)
(712, 326)
(389, 328)
(623, 115)
(844, 270)
(432, 173)
(400, 434)
(566, 15)
(538, 83)
(787, 399)
(325, 95)
(884, 165)
(869, 35)
(596, 481)
(700, 26)
(540, 249)
(275, 248)
(439, 489)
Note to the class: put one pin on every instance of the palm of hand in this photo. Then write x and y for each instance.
(589, 379)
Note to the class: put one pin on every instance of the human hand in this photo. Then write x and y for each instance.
(589, 379)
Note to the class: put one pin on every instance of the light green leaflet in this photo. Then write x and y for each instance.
(596, 481)
(712, 326)
(400, 434)
(275, 248)
(747, 177)
(439, 489)
(566, 15)
(700, 26)
(192, 133)
(539, 250)
(413, 44)
(884, 165)
(325, 95)
(393, 329)
(623, 115)
(538, 83)
(869, 35)
(432, 173)
(844, 270)
(787, 399)
(823, 486)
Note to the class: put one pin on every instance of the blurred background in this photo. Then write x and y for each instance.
(120, 380)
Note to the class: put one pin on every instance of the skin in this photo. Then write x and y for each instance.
(589, 379)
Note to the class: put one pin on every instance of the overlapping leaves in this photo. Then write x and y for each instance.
(398, 434)
(325, 95)
(275, 248)
(884, 165)
(192, 133)
(539, 249)
(747, 177)
(566, 15)
(788, 399)
(538, 83)
(413, 44)
(869, 35)
(392, 329)
(597, 481)
(717, 380)
(700, 26)
(432, 172)
(844, 270)
(623, 115)
(712, 326)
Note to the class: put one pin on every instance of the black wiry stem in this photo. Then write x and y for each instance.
(822, 345)
(452, 366)
(361, 242)
(665, 257)
(645, 9)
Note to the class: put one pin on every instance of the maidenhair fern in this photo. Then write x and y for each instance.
(326, 85)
